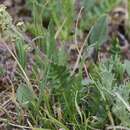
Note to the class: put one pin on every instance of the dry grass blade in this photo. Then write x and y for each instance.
(21, 68)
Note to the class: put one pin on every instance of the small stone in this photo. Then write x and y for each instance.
(8, 3)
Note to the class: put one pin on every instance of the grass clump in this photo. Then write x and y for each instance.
(53, 96)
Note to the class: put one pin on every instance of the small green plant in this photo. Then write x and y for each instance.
(72, 102)
(52, 97)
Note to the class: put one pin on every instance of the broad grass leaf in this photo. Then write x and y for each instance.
(99, 32)
(21, 52)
